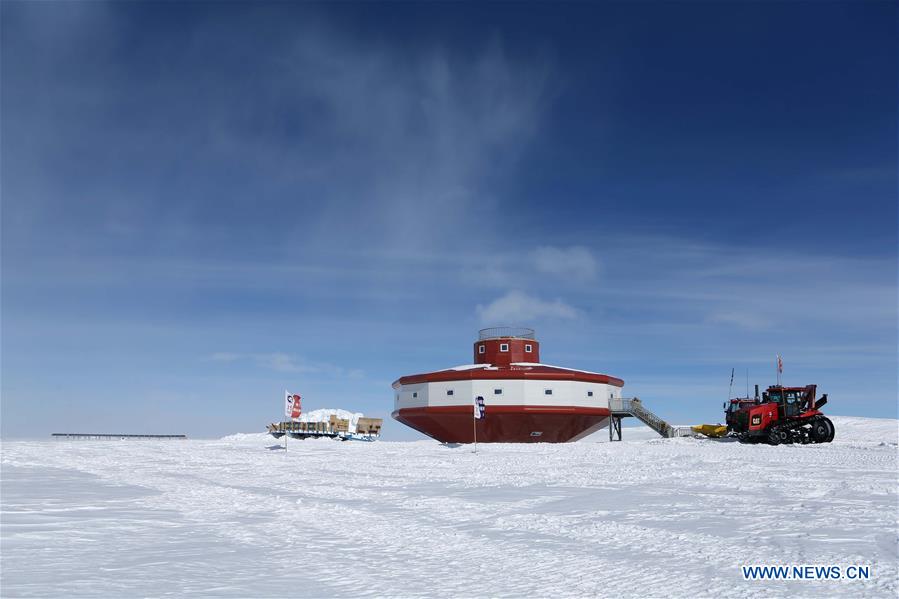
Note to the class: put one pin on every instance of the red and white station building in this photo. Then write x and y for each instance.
(525, 401)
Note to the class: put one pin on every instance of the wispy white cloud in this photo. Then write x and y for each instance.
(286, 363)
(421, 134)
(574, 263)
(224, 357)
(517, 307)
(283, 362)
(744, 320)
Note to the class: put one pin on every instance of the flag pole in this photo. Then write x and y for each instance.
(288, 412)
(474, 426)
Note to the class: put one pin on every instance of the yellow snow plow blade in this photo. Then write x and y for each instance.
(710, 430)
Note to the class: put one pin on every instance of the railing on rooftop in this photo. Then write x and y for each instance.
(506, 332)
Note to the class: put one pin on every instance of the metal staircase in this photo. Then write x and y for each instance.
(624, 408)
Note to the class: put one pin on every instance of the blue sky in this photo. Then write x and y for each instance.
(206, 204)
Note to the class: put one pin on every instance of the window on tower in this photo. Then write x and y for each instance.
(503, 347)
(480, 349)
(528, 347)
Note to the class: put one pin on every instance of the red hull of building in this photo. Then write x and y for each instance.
(505, 424)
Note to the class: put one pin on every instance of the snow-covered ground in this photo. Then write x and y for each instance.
(646, 517)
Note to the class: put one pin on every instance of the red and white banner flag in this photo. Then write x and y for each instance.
(479, 407)
(292, 405)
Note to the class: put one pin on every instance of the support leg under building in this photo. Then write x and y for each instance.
(614, 428)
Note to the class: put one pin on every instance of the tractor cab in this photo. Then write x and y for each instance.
(735, 405)
(736, 412)
(793, 401)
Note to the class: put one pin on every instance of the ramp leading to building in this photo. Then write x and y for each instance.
(625, 408)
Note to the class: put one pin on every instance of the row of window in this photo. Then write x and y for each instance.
(504, 347)
(500, 392)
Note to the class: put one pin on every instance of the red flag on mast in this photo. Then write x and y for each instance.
(291, 405)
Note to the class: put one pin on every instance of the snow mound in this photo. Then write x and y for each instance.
(850, 430)
(244, 437)
(324, 415)
(857, 429)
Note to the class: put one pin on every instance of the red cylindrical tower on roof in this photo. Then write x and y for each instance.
(525, 400)
(503, 346)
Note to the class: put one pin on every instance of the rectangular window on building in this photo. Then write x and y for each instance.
(527, 348)
(503, 347)
(415, 394)
(449, 391)
(480, 349)
(497, 391)
(547, 391)
(589, 393)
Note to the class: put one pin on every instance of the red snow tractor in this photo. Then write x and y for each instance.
(782, 415)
